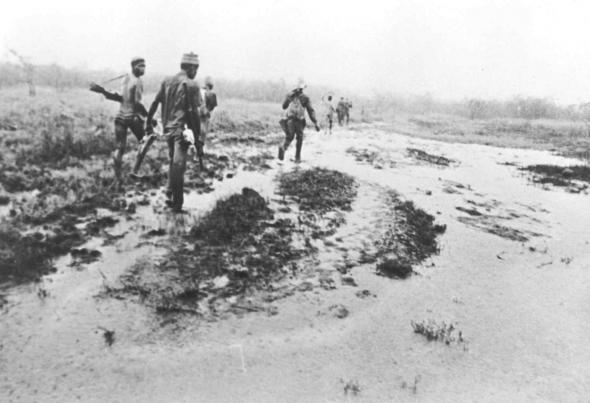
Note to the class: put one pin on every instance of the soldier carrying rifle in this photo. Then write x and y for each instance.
(130, 115)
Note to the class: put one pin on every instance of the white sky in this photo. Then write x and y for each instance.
(452, 49)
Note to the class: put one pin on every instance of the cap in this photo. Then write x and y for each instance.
(190, 58)
(136, 60)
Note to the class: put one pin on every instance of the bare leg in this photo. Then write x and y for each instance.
(121, 136)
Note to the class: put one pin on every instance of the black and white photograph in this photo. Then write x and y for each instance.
(295, 201)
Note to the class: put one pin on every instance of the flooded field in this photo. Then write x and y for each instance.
(381, 268)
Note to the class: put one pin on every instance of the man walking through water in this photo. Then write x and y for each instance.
(180, 98)
(129, 116)
(296, 103)
(209, 104)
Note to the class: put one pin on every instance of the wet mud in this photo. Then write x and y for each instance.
(243, 249)
(316, 252)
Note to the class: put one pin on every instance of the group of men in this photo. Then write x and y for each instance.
(183, 106)
(342, 111)
(185, 112)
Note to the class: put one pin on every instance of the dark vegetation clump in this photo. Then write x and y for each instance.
(410, 238)
(412, 234)
(319, 189)
(84, 256)
(232, 218)
(26, 257)
(395, 268)
(430, 158)
(108, 336)
(237, 247)
(560, 176)
(443, 332)
(22, 257)
(239, 238)
(363, 155)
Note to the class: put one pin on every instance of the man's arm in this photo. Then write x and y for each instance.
(290, 97)
(287, 101)
(111, 96)
(153, 108)
(212, 102)
(311, 113)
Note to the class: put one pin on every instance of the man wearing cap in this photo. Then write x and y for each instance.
(208, 105)
(180, 99)
(129, 116)
(296, 103)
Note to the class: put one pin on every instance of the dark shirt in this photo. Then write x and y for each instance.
(342, 106)
(305, 103)
(210, 100)
(179, 95)
(209, 103)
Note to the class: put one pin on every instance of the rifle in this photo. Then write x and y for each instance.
(112, 96)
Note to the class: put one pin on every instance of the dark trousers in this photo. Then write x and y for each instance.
(294, 129)
(177, 151)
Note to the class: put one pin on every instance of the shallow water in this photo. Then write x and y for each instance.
(523, 307)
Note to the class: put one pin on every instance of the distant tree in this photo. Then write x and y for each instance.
(28, 69)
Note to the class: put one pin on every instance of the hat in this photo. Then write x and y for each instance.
(136, 60)
(190, 58)
(300, 84)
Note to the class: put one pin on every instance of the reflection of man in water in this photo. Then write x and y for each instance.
(296, 103)
(329, 113)
(209, 103)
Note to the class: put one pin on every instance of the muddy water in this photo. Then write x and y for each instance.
(523, 305)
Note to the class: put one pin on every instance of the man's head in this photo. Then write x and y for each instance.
(138, 66)
(209, 82)
(300, 86)
(329, 97)
(190, 64)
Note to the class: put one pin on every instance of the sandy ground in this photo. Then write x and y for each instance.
(514, 278)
